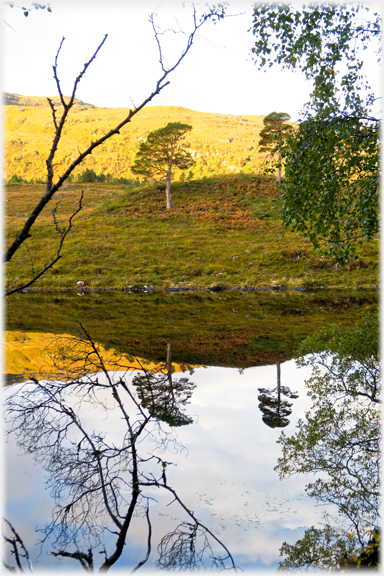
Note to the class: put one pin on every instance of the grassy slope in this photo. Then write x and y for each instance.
(221, 230)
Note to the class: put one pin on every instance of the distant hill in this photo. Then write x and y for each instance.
(19, 100)
(220, 143)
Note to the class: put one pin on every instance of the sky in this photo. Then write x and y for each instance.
(217, 75)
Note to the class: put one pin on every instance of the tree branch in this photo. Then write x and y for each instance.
(161, 83)
(63, 235)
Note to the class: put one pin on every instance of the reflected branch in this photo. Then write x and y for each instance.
(140, 564)
(173, 546)
(18, 550)
(96, 473)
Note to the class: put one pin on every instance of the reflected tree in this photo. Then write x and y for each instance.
(18, 550)
(275, 408)
(101, 477)
(330, 547)
(163, 395)
(339, 441)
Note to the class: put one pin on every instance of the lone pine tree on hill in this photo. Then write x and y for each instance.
(57, 174)
(275, 124)
(163, 149)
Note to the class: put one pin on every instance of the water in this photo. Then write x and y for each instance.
(222, 469)
(218, 492)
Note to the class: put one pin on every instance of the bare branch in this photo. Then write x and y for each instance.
(148, 542)
(160, 85)
(86, 560)
(17, 542)
(55, 74)
(53, 113)
(191, 515)
(63, 235)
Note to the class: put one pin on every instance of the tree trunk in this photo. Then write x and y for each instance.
(169, 370)
(168, 185)
(279, 168)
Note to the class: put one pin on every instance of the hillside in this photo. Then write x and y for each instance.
(220, 143)
(224, 227)
(221, 231)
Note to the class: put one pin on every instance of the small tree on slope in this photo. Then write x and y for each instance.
(271, 135)
(163, 149)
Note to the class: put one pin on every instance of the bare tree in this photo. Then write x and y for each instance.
(99, 484)
(54, 183)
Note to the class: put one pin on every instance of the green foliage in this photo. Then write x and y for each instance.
(162, 149)
(16, 179)
(329, 548)
(339, 439)
(320, 548)
(272, 137)
(331, 187)
(330, 192)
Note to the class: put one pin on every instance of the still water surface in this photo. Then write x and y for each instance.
(220, 462)
(222, 468)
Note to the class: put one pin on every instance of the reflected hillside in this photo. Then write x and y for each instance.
(32, 354)
(102, 486)
(232, 328)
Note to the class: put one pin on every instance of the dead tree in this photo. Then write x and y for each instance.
(60, 118)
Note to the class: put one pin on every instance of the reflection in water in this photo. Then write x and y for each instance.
(17, 548)
(100, 485)
(163, 395)
(107, 474)
(276, 409)
(339, 439)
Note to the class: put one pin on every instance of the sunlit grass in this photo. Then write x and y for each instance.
(221, 231)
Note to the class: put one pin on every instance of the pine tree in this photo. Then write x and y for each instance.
(275, 124)
(163, 149)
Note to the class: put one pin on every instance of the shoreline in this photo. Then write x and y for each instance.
(214, 288)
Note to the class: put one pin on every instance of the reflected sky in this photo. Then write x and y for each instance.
(224, 474)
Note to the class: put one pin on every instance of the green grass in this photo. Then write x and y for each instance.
(221, 231)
